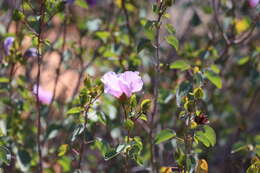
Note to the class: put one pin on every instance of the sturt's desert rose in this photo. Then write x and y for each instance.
(44, 96)
(123, 83)
(253, 3)
(8, 44)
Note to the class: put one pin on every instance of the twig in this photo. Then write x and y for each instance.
(83, 139)
(128, 139)
(130, 33)
(215, 9)
(61, 59)
(83, 142)
(42, 8)
(156, 82)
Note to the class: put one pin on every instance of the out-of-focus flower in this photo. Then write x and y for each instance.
(91, 2)
(31, 52)
(8, 42)
(45, 97)
(118, 3)
(124, 83)
(241, 25)
(70, 1)
(253, 3)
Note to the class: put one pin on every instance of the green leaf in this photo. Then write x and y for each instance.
(214, 78)
(24, 157)
(77, 131)
(63, 149)
(143, 43)
(257, 150)
(65, 163)
(75, 110)
(81, 3)
(133, 101)
(243, 61)
(111, 154)
(5, 155)
(254, 168)
(170, 28)
(103, 35)
(164, 135)
(143, 117)
(180, 64)
(183, 90)
(4, 80)
(129, 124)
(102, 146)
(206, 136)
(145, 105)
(237, 147)
(135, 150)
(17, 15)
(215, 69)
(172, 40)
(198, 93)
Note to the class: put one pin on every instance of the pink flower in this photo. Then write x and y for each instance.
(253, 3)
(45, 97)
(123, 83)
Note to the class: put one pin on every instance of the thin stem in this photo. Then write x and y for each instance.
(215, 10)
(127, 140)
(61, 60)
(187, 143)
(82, 148)
(42, 3)
(83, 142)
(130, 33)
(155, 83)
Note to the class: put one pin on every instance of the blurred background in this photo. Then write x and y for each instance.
(85, 39)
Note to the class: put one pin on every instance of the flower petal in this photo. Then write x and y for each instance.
(125, 87)
(133, 79)
(111, 82)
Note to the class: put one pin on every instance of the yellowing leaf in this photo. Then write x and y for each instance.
(118, 3)
(165, 170)
(130, 7)
(241, 25)
(63, 149)
(202, 166)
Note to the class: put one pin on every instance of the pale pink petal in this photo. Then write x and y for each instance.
(117, 84)
(111, 82)
(133, 79)
(125, 88)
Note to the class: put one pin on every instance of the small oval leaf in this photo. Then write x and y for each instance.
(164, 135)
